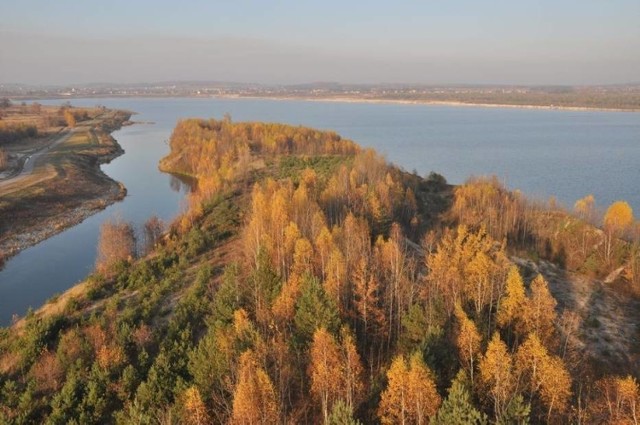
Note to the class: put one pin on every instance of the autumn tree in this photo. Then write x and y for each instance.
(284, 305)
(618, 401)
(555, 388)
(497, 375)
(48, 372)
(617, 219)
(117, 243)
(352, 371)
(324, 370)
(394, 403)
(411, 396)
(585, 208)
(468, 341)
(367, 300)
(424, 398)
(544, 375)
(468, 267)
(195, 411)
(254, 399)
(69, 118)
(540, 311)
(512, 304)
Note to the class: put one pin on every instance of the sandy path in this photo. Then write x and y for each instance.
(28, 163)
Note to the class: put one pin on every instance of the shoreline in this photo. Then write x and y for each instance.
(351, 99)
(452, 103)
(28, 234)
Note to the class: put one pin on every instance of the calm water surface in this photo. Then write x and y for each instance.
(567, 154)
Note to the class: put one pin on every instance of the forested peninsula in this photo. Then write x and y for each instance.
(311, 281)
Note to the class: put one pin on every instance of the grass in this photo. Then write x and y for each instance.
(325, 165)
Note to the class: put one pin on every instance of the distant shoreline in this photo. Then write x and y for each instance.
(339, 99)
(344, 99)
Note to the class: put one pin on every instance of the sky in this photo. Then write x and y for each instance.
(287, 42)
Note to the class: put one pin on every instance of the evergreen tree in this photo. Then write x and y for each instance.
(314, 310)
(458, 408)
(341, 414)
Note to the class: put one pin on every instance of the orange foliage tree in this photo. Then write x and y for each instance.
(411, 396)
(254, 399)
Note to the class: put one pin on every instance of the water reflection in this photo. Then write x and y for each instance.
(182, 184)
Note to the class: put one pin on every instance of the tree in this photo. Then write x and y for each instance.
(367, 300)
(619, 399)
(618, 216)
(468, 341)
(393, 408)
(195, 409)
(314, 310)
(411, 396)
(529, 358)
(555, 386)
(117, 243)
(544, 375)
(47, 372)
(69, 118)
(153, 229)
(324, 370)
(341, 414)
(585, 208)
(510, 311)
(617, 219)
(540, 311)
(254, 399)
(496, 374)
(468, 266)
(423, 396)
(458, 408)
(351, 370)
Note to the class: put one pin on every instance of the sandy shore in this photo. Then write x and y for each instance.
(425, 102)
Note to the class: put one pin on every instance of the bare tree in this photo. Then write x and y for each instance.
(117, 243)
(153, 229)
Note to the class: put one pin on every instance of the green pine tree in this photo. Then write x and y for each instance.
(457, 408)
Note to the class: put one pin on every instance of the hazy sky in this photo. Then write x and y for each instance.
(271, 41)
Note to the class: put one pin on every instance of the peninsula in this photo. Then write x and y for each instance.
(50, 176)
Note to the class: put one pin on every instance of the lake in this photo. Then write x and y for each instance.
(567, 154)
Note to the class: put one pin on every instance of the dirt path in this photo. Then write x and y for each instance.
(28, 162)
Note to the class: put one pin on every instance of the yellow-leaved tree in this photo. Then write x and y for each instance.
(254, 399)
(540, 311)
(617, 220)
(324, 369)
(335, 371)
(497, 375)
(411, 396)
(544, 375)
(510, 311)
(195, 411)
(468, 341)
